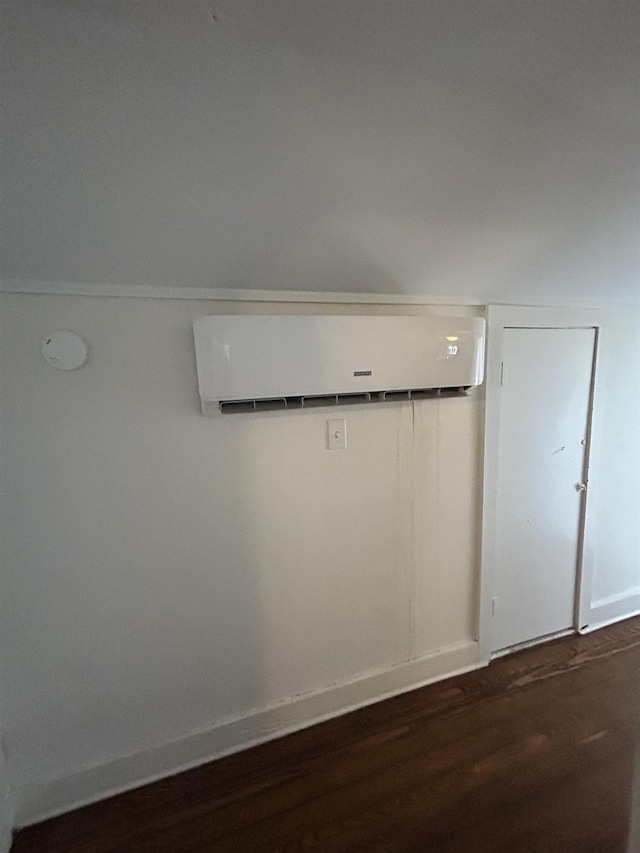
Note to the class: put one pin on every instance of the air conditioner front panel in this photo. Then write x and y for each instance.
(264, 357)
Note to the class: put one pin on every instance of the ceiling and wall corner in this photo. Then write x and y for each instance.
(443, 148)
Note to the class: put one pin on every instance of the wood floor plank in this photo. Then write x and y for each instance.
(530, 754)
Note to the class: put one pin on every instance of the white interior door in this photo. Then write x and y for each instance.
(544, 426)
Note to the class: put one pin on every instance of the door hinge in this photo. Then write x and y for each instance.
(494, 606)
(503, 373)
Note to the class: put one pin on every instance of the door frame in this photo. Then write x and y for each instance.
(499, 318)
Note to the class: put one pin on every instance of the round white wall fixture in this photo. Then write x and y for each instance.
(64, 350)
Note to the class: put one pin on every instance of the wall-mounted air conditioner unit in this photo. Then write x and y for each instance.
(253, 363)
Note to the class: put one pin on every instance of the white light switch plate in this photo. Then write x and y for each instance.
(337, 434)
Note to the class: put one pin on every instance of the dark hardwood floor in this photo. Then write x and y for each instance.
(533, 754)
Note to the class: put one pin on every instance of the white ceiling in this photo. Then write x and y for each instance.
(486, 148)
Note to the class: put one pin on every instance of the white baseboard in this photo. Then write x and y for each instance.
(614, 609)
(529, 644)
(41, 799)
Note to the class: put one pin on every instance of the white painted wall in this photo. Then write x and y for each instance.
(6, 812)
(617, 478)
(6, 806)
(171, 580)
(164, 572)
(415, 146)
(6, 819)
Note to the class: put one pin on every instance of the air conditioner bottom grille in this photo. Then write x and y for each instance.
(270, 404)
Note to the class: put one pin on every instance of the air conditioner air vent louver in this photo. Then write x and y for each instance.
(273, 404)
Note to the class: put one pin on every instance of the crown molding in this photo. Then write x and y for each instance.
(40, 287)
(207, 294)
